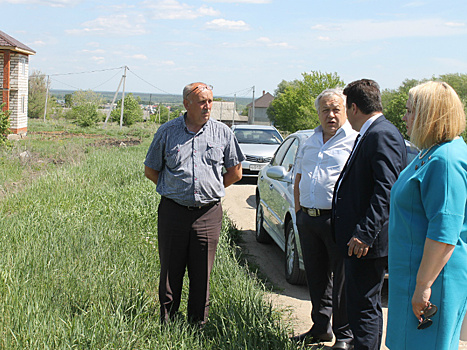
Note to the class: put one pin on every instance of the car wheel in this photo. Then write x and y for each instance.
(262, 235)
(293, 274)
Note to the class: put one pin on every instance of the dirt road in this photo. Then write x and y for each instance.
(239, 203)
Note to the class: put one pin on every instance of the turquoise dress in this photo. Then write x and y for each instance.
(429, 200)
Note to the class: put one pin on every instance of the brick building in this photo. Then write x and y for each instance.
(14, 68)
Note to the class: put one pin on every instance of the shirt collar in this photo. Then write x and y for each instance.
(368, 123)
(190, 132)
(346, 129)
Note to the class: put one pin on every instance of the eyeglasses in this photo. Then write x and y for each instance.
(200, 88)
(428, 312)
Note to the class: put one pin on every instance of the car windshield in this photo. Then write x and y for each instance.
(258, 136)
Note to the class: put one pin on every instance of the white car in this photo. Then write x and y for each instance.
(275, 208)
(258, 143)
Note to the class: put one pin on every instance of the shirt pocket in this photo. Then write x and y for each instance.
(172, 157)
(214, 153)
(335, 161)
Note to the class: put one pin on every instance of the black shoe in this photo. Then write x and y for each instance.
(342, 345)
(309, 338)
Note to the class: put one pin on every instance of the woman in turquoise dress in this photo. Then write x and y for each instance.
(428, 226)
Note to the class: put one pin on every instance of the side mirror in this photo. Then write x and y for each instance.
(277, 172)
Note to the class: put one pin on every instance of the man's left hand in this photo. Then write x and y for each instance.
(357, 247)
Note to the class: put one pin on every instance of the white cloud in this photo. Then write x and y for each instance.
(172, 9)
(122, 25)
(138, 57)
(242, 1)
(367, 30)
(455, 24)
(260, 42)
(224, 24)
(327, 28)
(98, 60)
(97, 51)
(38, 43)
(414, 4)
(324, 38)
(51, 3)
(269, 43)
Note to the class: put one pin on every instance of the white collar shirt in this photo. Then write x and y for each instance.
(367, 125)
(320, 164)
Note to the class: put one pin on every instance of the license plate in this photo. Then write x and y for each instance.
(257, 166)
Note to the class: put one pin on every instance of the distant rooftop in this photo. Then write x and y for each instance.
(9, 43)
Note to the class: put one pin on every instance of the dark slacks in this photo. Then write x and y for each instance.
(324, 269)
(363, 283)
(188, 240)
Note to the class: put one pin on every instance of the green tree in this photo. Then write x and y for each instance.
(394, 102)
(132, 111)
(68, 100)
(85, 108)
(37, 86)
(293, 108)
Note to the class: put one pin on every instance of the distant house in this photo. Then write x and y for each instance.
(14, 68)
(261, 105)
(226, 113)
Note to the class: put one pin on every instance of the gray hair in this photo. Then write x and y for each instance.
(329, 93)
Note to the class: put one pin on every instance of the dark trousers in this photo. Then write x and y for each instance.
(363, 283)
(324, 269)
(188, 240)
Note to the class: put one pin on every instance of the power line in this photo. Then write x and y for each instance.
(149, 83)
(247, 90)
(95, 87)
(61, 82)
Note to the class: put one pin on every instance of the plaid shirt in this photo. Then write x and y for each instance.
(190, 165)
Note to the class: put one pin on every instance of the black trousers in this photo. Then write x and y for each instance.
(188, 240)
(364, 280)
(324, 269)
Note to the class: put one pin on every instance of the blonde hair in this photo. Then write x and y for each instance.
(438, 114)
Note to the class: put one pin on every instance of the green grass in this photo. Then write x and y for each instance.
(79, 267)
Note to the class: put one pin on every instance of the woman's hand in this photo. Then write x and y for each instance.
(420, 300)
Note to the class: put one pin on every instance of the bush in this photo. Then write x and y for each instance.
(85, 115)
(132, 112)
(4, 125)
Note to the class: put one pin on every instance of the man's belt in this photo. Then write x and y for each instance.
(316, 212)
(202, 206)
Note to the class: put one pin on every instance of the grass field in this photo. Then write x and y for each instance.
(78, 253)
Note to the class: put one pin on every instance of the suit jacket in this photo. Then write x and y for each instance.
(361, 200)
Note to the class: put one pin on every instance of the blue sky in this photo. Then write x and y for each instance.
(237, 44)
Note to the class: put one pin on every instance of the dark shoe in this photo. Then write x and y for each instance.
(342, 345)
(309, 338)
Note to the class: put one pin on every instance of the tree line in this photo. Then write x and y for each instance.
(84, 107)
(293, 106)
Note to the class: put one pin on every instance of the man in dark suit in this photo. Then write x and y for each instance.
(361, 209)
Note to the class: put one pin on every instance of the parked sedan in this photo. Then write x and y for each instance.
(258, 143)
(275, 212)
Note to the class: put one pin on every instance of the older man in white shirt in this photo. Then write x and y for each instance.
(319, 164)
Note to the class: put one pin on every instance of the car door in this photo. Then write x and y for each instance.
(266, 187)
(282, 190)
(280, 194)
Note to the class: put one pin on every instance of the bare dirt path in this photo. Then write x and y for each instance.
(239, 203)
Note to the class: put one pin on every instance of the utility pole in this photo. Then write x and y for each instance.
(123, 98)
(253, 108)
(113, 101)
(234, 109)
(46, 97)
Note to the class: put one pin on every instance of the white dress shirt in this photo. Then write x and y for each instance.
(320, 164)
